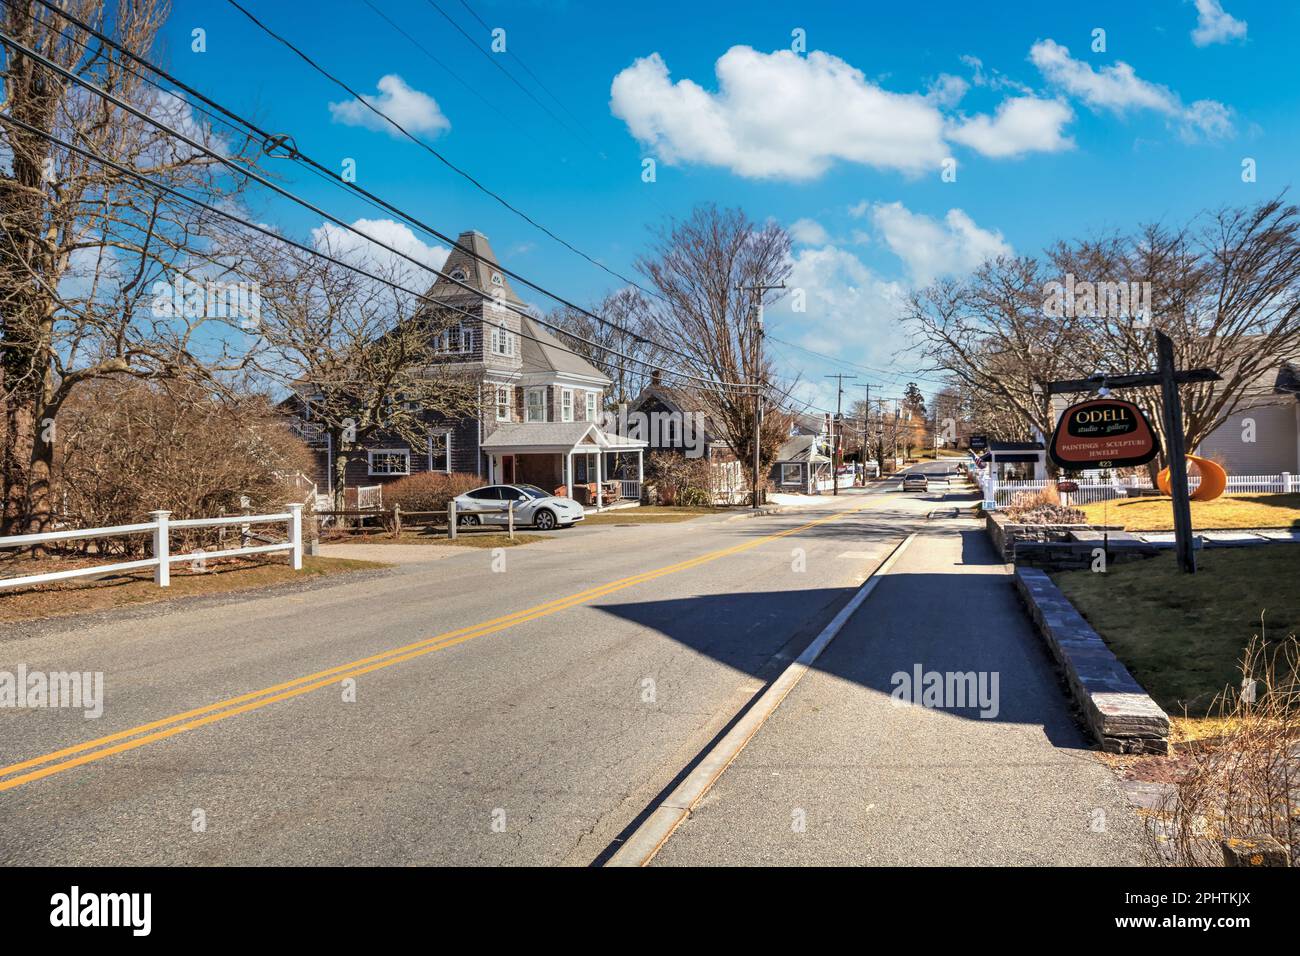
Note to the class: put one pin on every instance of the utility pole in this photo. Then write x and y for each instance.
(837, 436)
(757, 360)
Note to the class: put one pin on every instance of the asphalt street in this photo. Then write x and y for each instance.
(521, 724)
(532, 706)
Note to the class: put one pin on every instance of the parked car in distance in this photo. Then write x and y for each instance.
(916, 482)
(533, 506)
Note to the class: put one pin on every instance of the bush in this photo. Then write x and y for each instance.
(1241, 784)
(125, 448)
(681, 480)
(429, 490)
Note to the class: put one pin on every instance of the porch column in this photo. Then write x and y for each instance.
(600, 480)
(640, 470)
(568, 473)
(492, 469)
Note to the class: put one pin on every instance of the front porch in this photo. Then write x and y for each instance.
(575, 459)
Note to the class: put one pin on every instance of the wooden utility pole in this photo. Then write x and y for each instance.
(757, 385)
(837, 436)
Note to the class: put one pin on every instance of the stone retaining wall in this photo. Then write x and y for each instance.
(1118, 711)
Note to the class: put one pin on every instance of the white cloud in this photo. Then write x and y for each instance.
(778, 115)
(350, 247)
(931, 248)
(809, 232)
(415, 111)
(1216, 25)
(947, 90)
(1021, 124)
(1119, 89)
(850, 310)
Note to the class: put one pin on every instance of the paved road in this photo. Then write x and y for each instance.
(526, 733)
(842, 774)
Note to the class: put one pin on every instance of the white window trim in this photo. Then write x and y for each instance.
(370, 460)
(566, 404)
(503, 341)
(528, 405)
(592, 410)
(503, 405)
(798, 470)
(429, 448)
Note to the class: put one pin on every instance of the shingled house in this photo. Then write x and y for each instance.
(539, 408)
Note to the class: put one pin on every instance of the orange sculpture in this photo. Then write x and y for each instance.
(1214, 480)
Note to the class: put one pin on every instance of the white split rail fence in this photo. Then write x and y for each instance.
(162, 559)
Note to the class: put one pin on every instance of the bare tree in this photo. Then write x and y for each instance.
(359, 354)
(623, 349)
(704, 268)
(991, 334)
(84, 247)
(1225, 288)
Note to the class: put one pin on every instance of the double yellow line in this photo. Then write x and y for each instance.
(37, 768)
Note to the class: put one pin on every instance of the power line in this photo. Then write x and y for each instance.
(271, 234)
(454, 73)
(896, 376)
(439, 156)
(510, 76)
(374, 200)
(275, 141)
(514, 56)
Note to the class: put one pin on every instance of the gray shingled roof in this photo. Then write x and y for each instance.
(477, 272)
(801, 448)
(542, 352)
(551, 435)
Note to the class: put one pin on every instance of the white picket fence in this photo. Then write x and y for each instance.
(1094, 490)
(161, 558)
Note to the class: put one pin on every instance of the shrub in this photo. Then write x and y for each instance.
(681, 480)
(125, 448)
(1241, 784)
(428, 490)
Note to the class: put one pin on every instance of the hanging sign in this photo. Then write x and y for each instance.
(1103, 433)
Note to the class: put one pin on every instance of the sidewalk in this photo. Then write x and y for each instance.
(873, 782)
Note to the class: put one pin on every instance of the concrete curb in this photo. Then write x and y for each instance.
(1119, 712)
(653, 833)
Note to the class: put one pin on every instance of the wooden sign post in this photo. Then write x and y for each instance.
(1173, 404)
(1168, 378)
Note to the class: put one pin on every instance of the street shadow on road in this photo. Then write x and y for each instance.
(958, 622)
(963, 621)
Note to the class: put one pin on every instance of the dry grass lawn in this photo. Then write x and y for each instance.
(80, 595)
(1235, 511)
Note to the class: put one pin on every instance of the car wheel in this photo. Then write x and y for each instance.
(544, 520)
(467, 521)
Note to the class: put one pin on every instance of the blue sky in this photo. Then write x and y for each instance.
(842, 141)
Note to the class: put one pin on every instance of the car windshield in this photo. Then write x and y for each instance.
(532, 491)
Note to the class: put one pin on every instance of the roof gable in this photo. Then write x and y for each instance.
(480, 270)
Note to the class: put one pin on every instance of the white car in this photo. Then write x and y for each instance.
(533, 506)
